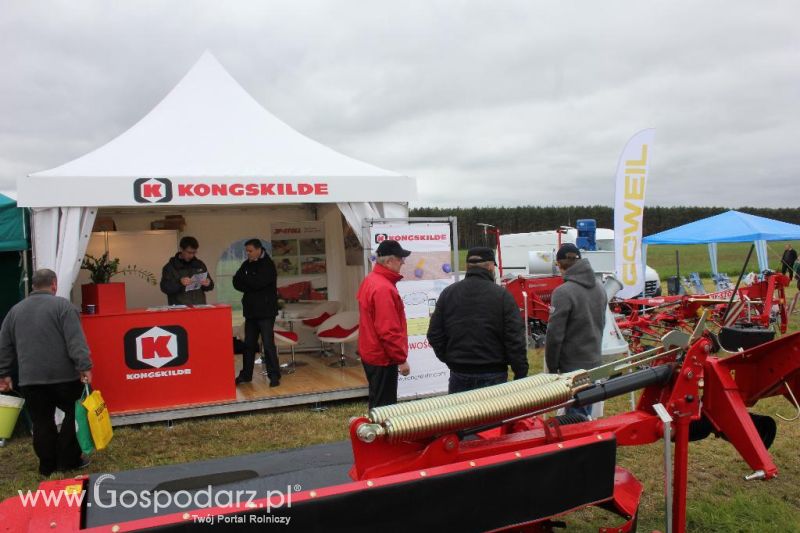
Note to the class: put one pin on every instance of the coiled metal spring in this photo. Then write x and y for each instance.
(378, 415)
(429, 423)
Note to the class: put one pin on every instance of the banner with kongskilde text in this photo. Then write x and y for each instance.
(427, 271)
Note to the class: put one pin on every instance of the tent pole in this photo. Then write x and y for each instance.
(25, 276)
(738, 281)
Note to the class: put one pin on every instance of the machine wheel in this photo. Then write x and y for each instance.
(765, 425)
(744, 336)
(767, 428)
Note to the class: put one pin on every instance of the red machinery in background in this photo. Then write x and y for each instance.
(755, 309)
(532, 295)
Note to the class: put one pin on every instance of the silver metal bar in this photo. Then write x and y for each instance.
(666, 419)
(609, 369)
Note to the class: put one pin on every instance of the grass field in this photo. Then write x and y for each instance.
(719, 499)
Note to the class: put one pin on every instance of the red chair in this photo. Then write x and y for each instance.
(341, 328)
(290, 339)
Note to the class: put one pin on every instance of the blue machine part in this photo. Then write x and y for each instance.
(587, 231)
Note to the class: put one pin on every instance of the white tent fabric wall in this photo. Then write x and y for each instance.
(761, 253)
(712, 255)
(60, 238)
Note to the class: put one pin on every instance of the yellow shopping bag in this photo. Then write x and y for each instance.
(99, 419)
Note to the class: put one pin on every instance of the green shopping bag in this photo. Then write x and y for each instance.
(82, 430)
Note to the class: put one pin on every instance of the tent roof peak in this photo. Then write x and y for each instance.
(208, 125)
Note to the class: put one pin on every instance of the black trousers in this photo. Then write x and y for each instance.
(382, 384)
(253, 328)
(56, 450)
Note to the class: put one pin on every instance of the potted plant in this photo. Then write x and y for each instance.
(105, 295)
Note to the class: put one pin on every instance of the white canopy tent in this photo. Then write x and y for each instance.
(207, 143)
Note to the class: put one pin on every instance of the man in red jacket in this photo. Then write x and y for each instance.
(382, 337)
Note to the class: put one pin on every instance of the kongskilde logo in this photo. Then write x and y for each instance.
(380, 237)
(156, 347)
(152, 190)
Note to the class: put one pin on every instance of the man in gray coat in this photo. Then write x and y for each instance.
(577, 318)
(43, 335)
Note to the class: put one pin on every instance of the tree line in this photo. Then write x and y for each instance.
(534, 218)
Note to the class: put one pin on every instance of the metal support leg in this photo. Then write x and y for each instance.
(343, 361)
(681, 473)
(666, 419)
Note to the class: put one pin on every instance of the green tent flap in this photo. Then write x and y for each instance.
(13, 226)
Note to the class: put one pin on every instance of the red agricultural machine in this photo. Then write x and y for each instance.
(532, 295)
(483, 460)
(753, 312)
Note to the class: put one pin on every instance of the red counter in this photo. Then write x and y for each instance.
(153, 360)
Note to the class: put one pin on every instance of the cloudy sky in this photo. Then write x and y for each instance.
(485, 103)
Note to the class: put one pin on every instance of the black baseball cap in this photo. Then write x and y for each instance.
(390, 247)
(567, 248)
(480, 254)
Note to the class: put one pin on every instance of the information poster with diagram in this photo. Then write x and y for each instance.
(426, 273)
(298, 248)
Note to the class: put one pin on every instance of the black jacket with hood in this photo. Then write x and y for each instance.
(577, 318)
(477, 327)
(258, 280)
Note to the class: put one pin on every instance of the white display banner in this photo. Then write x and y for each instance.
(426, 273)
(131, 191)
(633, 172)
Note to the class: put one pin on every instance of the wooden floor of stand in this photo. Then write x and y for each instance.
(315, 376)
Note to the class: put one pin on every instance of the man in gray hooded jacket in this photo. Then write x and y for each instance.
(578, 316)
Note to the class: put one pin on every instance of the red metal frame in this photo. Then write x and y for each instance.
(539, 291)
(727, 387)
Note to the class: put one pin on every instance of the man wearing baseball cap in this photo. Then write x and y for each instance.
(382, 336)
(577, 316)
(477, 330)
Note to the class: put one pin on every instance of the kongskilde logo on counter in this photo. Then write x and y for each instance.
(152, 190)
(156, 347)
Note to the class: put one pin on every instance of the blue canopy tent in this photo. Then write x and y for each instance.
(731, 226)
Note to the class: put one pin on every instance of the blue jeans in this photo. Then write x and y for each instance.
(460, 382)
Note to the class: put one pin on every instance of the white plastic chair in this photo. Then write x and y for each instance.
(341, 328)
(290, 339)
(320, 314)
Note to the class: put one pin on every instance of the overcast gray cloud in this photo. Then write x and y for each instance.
(485, 103)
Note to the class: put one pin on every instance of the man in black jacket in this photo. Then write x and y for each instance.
(177, 275)
(258, 280)
(787, 261)
(477, 330)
